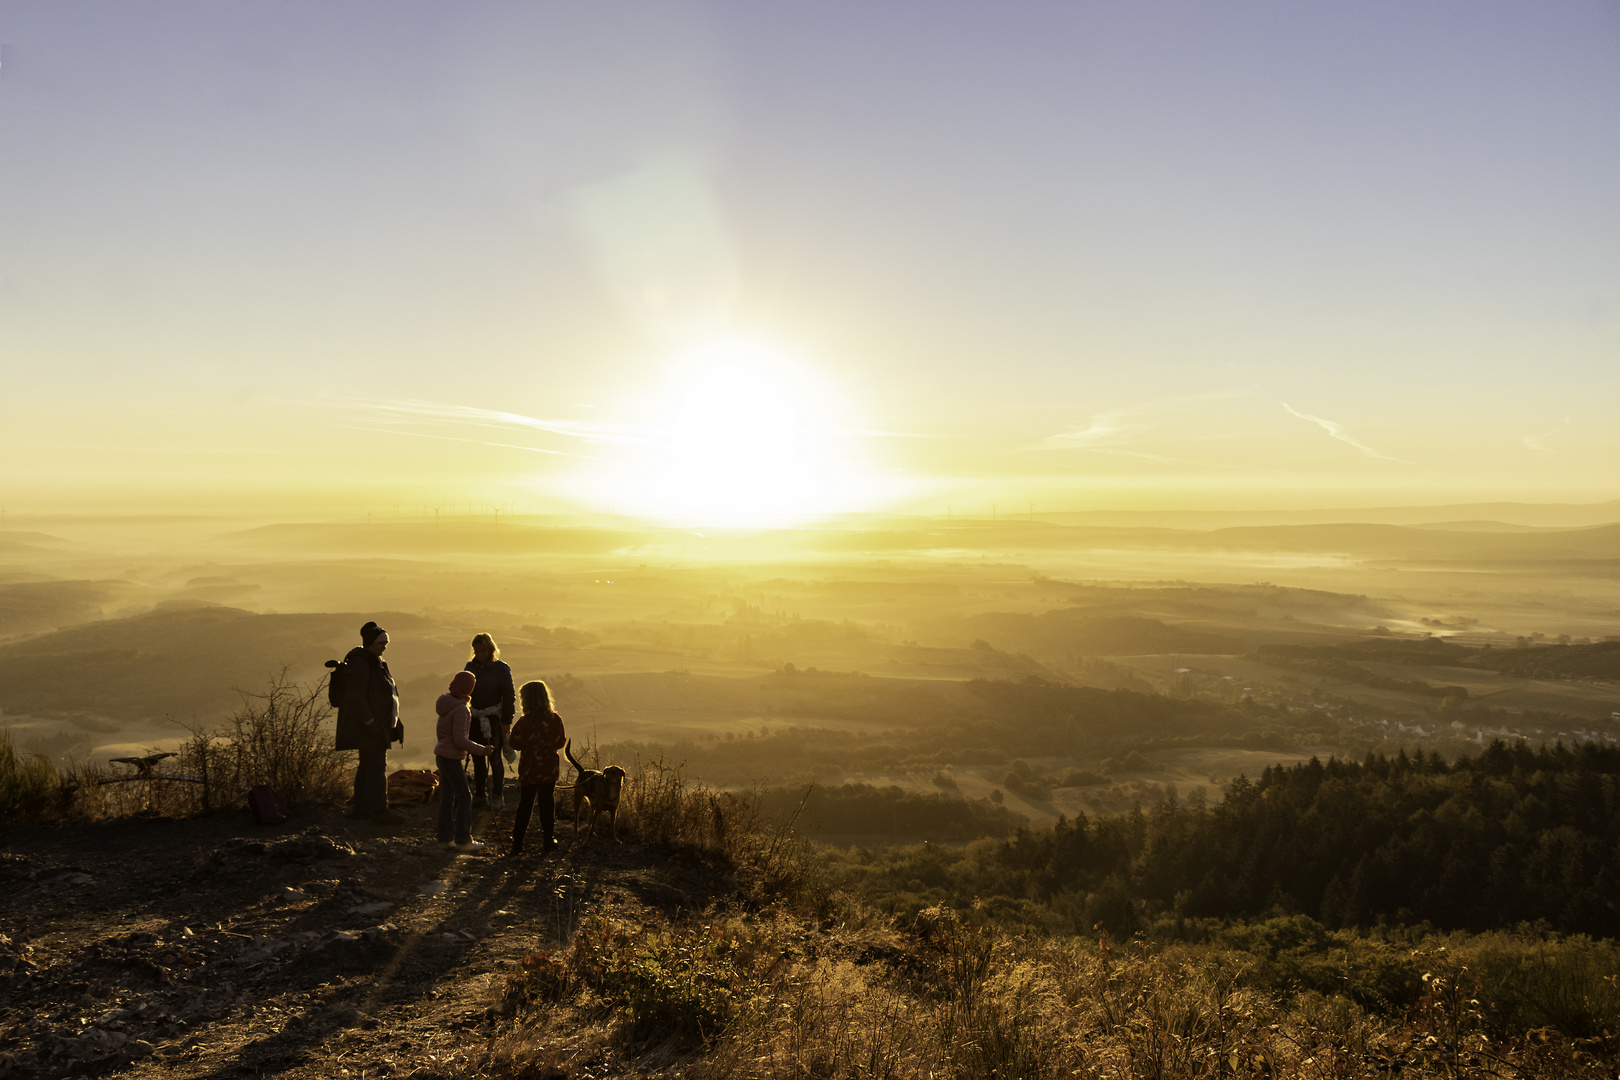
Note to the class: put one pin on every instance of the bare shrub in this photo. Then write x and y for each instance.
(281, 736)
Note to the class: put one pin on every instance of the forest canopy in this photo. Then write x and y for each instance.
(1511, 835)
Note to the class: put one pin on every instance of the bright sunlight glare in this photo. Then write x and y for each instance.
(740, 436)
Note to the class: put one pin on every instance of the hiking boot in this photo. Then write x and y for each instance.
(388, 817)
(497, 803)
(548, 845)
(471, 847)
(448, 845)
(512, 853)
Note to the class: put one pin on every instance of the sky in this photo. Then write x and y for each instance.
(752, 264)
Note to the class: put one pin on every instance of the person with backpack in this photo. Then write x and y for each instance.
(453, 746)
(368, 709)
(492, 709)
(539, 734)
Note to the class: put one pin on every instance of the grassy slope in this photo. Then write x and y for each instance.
(196, 948)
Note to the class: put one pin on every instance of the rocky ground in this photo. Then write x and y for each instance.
(324, 947)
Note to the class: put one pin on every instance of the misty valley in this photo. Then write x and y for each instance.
(1040, 669)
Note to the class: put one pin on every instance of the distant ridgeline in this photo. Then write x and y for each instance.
(1032, 718)
(1511, 835)
(1600, 660)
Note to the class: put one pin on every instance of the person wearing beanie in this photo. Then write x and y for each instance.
(453, 746)
(365, 722)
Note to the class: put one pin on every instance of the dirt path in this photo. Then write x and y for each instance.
(320, 948)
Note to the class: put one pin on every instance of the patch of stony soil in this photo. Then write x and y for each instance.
(323, 947)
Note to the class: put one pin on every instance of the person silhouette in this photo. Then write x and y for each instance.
(365, 722)
(492, 708)
(455, 806)
(539, 734)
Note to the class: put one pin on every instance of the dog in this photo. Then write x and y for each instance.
(600, 789)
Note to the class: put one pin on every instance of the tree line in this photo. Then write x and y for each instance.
(1511, 835)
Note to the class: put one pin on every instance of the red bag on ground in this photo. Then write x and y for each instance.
(411, 787)
(267, 807)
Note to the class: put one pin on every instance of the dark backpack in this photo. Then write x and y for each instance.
(334, 685)
(267, 807)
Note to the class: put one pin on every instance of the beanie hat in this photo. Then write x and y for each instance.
(369, 632)
(462, 685)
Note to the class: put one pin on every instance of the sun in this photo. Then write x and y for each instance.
(740, 435)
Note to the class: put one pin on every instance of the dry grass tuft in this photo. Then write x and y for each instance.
(768, 862)
(29, 789)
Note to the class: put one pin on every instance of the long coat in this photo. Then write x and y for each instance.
(370, 703)
(494, 687)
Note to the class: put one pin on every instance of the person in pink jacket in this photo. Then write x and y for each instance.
(452, 748)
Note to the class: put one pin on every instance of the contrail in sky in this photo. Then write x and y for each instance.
(1337, 432)
(1535, 442)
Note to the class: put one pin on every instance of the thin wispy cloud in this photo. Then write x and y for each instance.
(1106, 427)
(1105, 431)
(1538, 443)
(397, 416)
(1337, 431)
(391, 413)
